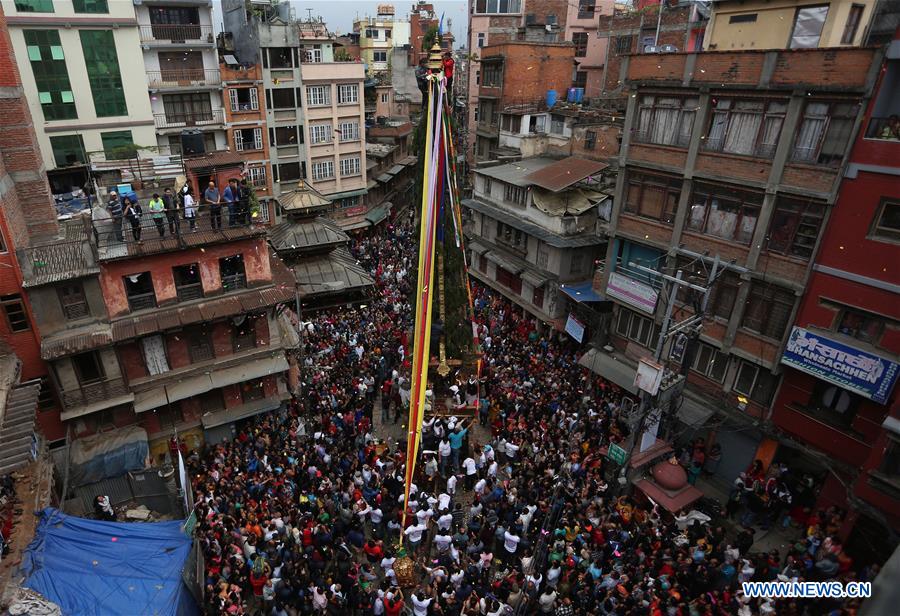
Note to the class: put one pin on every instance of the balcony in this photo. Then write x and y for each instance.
(187, 78)
(94, 393)
(213, 117)
(176, 34)
(165, 234)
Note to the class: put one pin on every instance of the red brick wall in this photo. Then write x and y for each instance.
(532, 69)
(732, 166)
(221, 337)
(818, 179)
(646, 229)
(177, 349)
(842, 67)
(729, 68)
(131, 360)
(659, 154)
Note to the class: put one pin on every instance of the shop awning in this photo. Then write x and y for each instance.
(218, 418)
(344, 195)
(610, 368)
(377, 214)
(384, 178)
(694, 413)
(503, 261)
(409, 160)
(247, 372)
(672, 501)
(395, 169)
(582, 292)
(534, 278)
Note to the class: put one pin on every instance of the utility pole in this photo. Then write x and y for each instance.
(667, 330)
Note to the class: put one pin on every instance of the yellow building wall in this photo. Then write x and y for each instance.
(774, 24)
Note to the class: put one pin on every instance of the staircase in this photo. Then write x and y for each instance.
(17, 429)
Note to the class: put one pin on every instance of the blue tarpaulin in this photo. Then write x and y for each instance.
(582, 292)
(95, 568)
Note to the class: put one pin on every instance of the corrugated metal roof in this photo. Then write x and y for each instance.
(214, 159)
(299, 235)
(304, 197)
(330, 273)
(17, 430)
(564, 173)
(514, 173)
(69, 342)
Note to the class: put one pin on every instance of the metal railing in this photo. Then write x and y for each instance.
(90, 393)
(184, 78)
(234, 281)
(176, 33)
(201, 352)
(187, 292)
(153, 232)
(187, 119)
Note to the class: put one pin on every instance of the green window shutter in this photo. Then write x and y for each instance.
(68, 150)
(102, 63)
(118, 145)
(34, 6)
(51, 76)
(90, 6)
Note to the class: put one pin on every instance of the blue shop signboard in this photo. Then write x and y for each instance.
(850, 368)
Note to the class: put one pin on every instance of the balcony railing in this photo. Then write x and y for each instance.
(181, 120)
(187, 292)
(141, 301)
(128, 237)
(184, 78)
(176, 33)
(92, 393)
(234, 281)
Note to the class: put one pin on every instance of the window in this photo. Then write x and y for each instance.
(90, 6)
(34, 6)
(379, 56)
(576, 264)
(211, 401)
(623, 44)
(795, 227)
(279, 57)
(15, 312)
(482, 264)
(833, 404)
(666, 120)
(243, 99)
(497, 6)
(286, 135)
(68, 150)
(257, 177)
(139, 290)
(543, 256)
(481, 36)
(349, 131)
(283, 98)
(723, 296)
(633, 326)
(487, 184)
(514, 194)
(652, 196)
(74, 304)
(323, 170)
(46, 397)
(348, 93)
(580, 79)
(349, 203)
(861, 325)
(188, 285)
(248, 139)
(243, 335)
(350, 166)
(199, 343)
(118, 145)
(887, 221)
(808, 24)
(511, 236)
(768, 310)
(88, 367)
(385, 97)
(580, 39)
(537, 124)
(537, 298)
(586, 9)
(232, 272)
(557, 124)
(854, 17)
(510, 123)
(318, 96)
(288, 172)
(252, 390)
(187, 108)
(710, 362)
(48, 64)
(2, 243)
(890, 462)
(314, 54)
(492, 75)
(320, 133)
(509, 280)
(824, 132)
(102, 66)
(748, 127)
(755, 382)
(746, 18)
(724, 213)
(590, 139)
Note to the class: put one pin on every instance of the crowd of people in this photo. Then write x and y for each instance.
(303, 512)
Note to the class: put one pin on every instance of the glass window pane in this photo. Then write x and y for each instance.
(50, 74)
(102, 65)
(743, 382)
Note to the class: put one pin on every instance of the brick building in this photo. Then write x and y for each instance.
(421, 18)
(515, 73)
(851, 426)
(719, 150)
(632, 30)
(245, 124)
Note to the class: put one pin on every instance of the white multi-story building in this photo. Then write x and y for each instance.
(84, 82)
(182, 67)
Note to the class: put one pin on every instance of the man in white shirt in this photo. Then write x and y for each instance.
(451, 486)
(420, 601)
(444, 451)
(469, 465)
(442, 541)
(445, 521)
(414, 535)
(510, 544)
